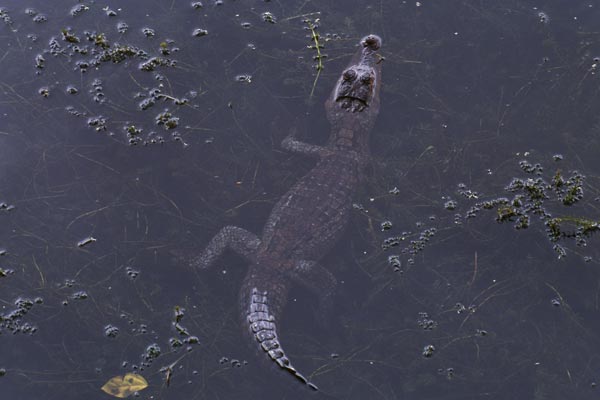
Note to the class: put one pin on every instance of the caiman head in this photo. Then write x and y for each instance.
(357, 90)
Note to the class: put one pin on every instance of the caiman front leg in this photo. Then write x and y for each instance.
(290, 143)
(237, 239)
(321, 282)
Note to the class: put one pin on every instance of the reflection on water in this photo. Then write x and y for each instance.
(130, 131)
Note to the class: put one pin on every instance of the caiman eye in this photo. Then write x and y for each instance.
(349, 74)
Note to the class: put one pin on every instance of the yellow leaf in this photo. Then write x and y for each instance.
(124, 386)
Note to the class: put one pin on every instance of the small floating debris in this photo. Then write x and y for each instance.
(148, 32)
(5, 272)
(40, 18)
(71, 110)
(81, 295)
(12, 321)
(244, 78)
(428, 351)
(6, 207)
(181, 329)
(109, 12)
(152, 352)
(199, 32)
(86, 241)
(69, 36)
(97, 91)
(78, 9)
(98, 123)
(269, 17)
(448, 372)
(178, 312)
(132, 273)
(167, 120)
(122, 27)
(192, 340)
(152, 63)
(395, 262)
(543, 17)
(111, 331)
(175, 343)
(44, 92)
(425, 322)
(40, 61)
(450, 205)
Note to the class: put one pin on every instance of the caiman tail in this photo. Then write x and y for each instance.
(262, 301)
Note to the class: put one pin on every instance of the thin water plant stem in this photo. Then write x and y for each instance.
(317, 46)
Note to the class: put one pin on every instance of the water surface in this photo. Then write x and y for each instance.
(128, 130)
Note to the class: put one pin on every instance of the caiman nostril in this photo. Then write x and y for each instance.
(371, 41)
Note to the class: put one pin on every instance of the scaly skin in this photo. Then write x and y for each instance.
(310, 218)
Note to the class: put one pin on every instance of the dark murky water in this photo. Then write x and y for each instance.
(127, 131)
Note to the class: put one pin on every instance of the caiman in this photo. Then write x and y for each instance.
(310, 218)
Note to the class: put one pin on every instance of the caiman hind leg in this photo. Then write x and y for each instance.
(319, 281)
(237, 239)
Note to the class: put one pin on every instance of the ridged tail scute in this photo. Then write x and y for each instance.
(263, 328)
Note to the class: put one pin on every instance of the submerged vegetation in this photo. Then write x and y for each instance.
(545, 199)
(551, 199)
(13, 320)
(317, 46)
(97, 50)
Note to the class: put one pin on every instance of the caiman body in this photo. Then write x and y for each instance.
(310, 218)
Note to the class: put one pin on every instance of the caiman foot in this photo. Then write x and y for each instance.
(237, 239)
